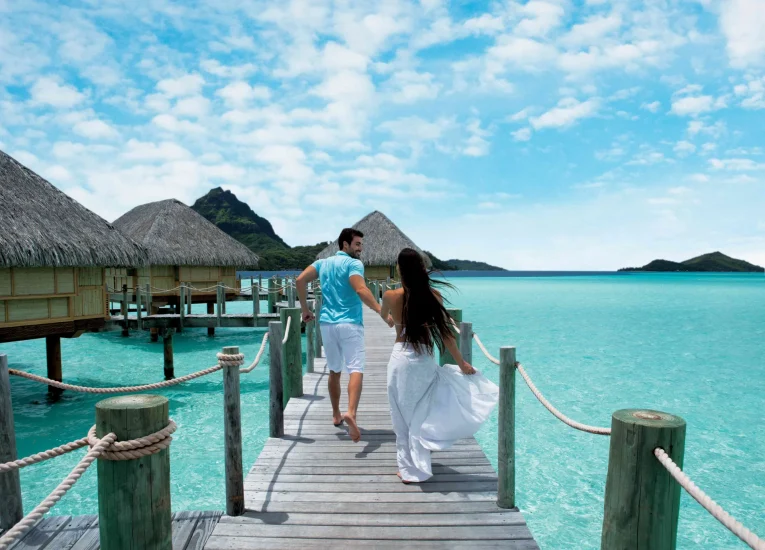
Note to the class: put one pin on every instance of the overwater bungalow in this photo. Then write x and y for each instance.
(183, 247)
(53, 256)
(383, 241)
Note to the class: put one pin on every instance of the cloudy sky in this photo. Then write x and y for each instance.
(535, 135)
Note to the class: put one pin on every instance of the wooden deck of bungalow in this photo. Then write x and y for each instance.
(315, 488)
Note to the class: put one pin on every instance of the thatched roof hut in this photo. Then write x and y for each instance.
(174, 234)
(383, 241)
(41, 226)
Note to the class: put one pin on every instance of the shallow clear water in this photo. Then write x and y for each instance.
(692, 345)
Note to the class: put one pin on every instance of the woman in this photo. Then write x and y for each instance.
(431, 407)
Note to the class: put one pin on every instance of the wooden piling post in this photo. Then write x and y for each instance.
(182, 308)
(293, 355)
(506, 428)
(232, 422)
(138, 312)
(53, 360)
(255, 303)
(446, 357)
(642, 501)
(210, 311)
(189, 298)
(291, 295)
(125, 310)
(167, 338)
(134, 495)
(466, 341)
(310, 338)
(219, 300)
(272, 291)
(319, 340)
(276, 386)
(11, 509)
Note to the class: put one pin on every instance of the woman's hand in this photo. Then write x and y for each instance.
(390, 321)
(466, 368)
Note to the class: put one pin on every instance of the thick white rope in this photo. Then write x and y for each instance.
(43, 456)
(559, 415)
(258, 356)
(484, 350)
(709, 505)
(287, 330)
(236, 360)
(35, 515)
(135, 448)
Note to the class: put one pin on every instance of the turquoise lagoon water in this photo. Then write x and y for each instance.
(692, 345)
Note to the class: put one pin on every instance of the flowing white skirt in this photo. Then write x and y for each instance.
(432, 407)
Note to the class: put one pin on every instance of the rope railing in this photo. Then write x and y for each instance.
(107, 448)
(236, 360)
(287, 330)
(43, 456)
(258, 356)
(707, 503)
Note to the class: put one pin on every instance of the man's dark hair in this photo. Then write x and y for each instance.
(347, 235)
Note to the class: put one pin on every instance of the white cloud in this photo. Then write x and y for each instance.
(736, 164)
(743, 24)
(95, 129)
(752, 92)
(568, 111)
(699, 178)
(350, 87)
(485, 24)
(49, 92)
(172, 124)
(653, 107)
(476, 145)
(698, 127)
(58, 174)
(196, 106)
(522, 53)
(149, 151)
(213, 66)
(593, 30)
(524, 134)
(520, 115)
(190, 84)
(240, 94)
(693, 105)
(411, 86)
(684, 148)
(614, 153)
(539, 18)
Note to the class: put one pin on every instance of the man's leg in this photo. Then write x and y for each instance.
(354, 353)
(334, 397)
(335, 366)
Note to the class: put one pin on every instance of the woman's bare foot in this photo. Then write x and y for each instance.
(337, 419)
(353, 429)
(402, 479)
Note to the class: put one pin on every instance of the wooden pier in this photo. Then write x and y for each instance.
(190, 532)
(315, 488)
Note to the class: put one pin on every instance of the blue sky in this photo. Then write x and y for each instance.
(535, 135)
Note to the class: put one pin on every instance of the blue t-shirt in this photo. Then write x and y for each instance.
(340, 303)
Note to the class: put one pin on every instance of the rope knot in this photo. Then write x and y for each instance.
(235, 360)
(134, 448)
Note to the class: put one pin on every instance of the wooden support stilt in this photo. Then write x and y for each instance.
(53, 359)
(11, 510)
(167, 338)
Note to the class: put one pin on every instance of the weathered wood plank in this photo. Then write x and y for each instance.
(204, 528)
(378, 520)
(291, 496)
(267, 543)
(339, 507)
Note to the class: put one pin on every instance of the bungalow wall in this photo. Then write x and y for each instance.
(379, 272)
(166, 277)
(39, 295)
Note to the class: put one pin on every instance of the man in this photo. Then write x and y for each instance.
(341, 322)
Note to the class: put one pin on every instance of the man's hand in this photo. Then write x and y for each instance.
(308, 316)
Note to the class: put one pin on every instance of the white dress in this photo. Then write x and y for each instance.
(432, 407)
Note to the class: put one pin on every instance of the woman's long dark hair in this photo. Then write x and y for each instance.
(426, 321)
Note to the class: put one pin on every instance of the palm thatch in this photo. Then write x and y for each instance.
(41, 226)
(174, 234)
(383, 241)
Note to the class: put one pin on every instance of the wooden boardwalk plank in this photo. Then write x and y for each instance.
(314, 487)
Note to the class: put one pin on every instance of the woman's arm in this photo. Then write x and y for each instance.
(385, 308)
(451, 345)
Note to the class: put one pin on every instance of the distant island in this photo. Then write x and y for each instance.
(713, 262)
(237, 219)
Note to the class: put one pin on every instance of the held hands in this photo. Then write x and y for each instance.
(390, 321)
(466, 368)
(308, 316)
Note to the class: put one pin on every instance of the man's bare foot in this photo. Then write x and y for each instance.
(402, 479)
(337, 419)
(353, 429)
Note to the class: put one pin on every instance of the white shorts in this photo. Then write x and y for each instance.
(344, 347)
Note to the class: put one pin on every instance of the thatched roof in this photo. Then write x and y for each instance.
(174, 234)
(383, 241)
(41, 226)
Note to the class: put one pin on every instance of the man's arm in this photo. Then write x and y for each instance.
(357, 282)
(309, 274)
